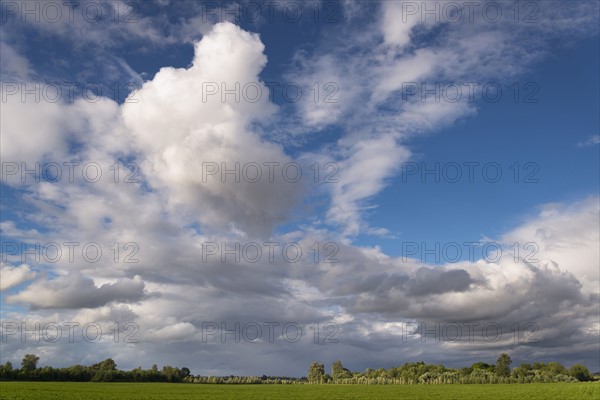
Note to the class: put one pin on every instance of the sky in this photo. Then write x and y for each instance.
(247, 187)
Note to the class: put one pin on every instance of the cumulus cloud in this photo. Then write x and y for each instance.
(211, 134)
(565, 236)
(78, 291)
(505, 292)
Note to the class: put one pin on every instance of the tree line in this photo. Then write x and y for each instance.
(106, 371)
(408, 374)
(479, 372)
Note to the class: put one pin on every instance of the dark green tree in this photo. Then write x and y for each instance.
(503, 365)
(481, 366)
(6, 371)
(171, 374)
(580, 372)
(557, 368)
(29, 362)
(107, 365)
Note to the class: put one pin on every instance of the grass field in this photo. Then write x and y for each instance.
(155, 391)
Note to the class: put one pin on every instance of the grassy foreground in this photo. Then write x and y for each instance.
(155, 391)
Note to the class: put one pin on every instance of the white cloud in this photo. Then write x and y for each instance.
(566, 237)
(108, 24)
(34, 130)
(398, 20)
(11, 276)
(180, 130)
(590, 141)
(362, 175)
(182, 331)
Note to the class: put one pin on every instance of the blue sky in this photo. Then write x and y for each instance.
(546, 133)
(170, 211)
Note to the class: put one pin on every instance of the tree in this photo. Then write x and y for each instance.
(316, 372)
(481, 366)
(172, 374)
(6, 371)
(503, 365)
(522, 371)
(580, 372)
(336, 369)
(107, 365)
(104, 375)
(339, 372)
(557, 368)
(29, 362)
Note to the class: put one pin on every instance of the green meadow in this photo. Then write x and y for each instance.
(174, 391)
